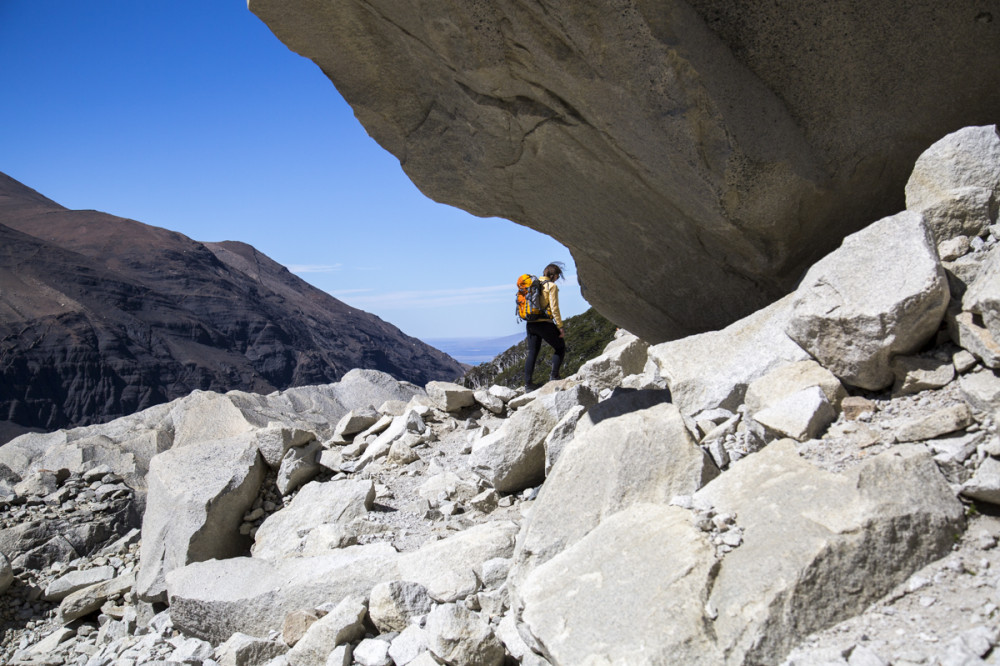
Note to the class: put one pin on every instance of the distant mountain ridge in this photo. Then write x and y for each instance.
(101, 316)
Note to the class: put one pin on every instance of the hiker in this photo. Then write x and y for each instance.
(548, 328)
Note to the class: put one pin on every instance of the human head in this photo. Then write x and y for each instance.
(553, 271)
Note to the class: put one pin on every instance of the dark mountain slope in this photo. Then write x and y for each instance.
(101, 316)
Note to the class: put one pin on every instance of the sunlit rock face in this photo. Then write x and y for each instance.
(694, 156)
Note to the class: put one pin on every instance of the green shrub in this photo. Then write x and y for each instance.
(586, 334)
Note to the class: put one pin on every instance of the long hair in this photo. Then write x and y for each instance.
(553, 271)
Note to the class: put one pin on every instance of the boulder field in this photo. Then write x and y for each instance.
(816, 483)
(695, 156)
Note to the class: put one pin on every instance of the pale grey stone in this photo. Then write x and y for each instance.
(505, 393)
(953, 248)
(955, 182)
(61, 587)
(984, 486)
(842, 528)
(392, 408)
(983, 295)
(981, 390)
(52, 641)
(393, 605)
(521, 400)
(214, 599)
(721, 431)
(610, 596)
(195, 505)
(450, 397)
(408, 422)
(459, 636)
(89, 599)
(296, 624)
(493, 572)
(326, 537)
(802, 415)
(343, 624)
(447, 485)
(513, 457)
(882, 293)
(447, 567)
(401, 453)
(342, 655)
(284, 533)
(41, 483)
(636, 456)
(489, 401)
(865, 656)
(6, 573)
(720, 456)
(274, 440)
(714, 369)
(485, 501)
(915, 374)
(963, 361)
(243, 650)
(189, 650)
(299, 465)
(786, 380)
(424, 659)
(356, 421)
(561, 434)
(967, 333)
(940, 422)
(955, 449)
(506, 631)
(372, 652)
(408, 645)
(376, 428)
(331, 459)
(963, 271)
(625, 355)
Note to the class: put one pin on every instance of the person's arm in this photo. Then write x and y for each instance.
(554, 306)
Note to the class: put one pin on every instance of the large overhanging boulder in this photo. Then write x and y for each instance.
(695, 157)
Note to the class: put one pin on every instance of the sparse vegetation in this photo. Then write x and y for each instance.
(587, 335)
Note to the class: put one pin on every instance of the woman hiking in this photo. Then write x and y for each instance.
(548, 328)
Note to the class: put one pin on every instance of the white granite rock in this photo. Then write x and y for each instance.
(714, 369)
(285, 532)
(394, 604)
(882, 293)
(343, 624)
(459, 636)
(195, 505)
(802, 415)
(450, 397)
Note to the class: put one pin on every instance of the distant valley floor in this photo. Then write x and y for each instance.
(474, 350)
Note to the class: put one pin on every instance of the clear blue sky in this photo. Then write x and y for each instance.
(191, 115)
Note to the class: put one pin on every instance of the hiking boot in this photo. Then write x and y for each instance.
(529, 387)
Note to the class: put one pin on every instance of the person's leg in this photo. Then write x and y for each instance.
(534, 345)
(551, 335)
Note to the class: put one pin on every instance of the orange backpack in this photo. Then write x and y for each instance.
(531, 304)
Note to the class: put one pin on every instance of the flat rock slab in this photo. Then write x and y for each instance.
(639, 456)
(197, 497)
(649, 586)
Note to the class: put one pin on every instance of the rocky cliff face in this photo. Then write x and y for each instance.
(102, 316)
(695, 156)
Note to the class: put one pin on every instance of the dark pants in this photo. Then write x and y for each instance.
(538, 331)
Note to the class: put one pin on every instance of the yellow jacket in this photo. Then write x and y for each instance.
(550, 296)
